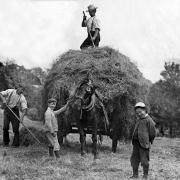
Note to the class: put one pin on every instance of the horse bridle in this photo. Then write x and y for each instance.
(87, 108)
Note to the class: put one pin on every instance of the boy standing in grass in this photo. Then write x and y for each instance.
(143, 135)
(51, 127)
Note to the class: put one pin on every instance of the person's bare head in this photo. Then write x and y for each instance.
(52, 103)
(92, 13)
(19, 89)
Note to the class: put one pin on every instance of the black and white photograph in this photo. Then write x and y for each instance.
(89, 89)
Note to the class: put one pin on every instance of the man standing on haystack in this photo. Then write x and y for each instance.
(13, 99)
(143, 136)
(93, 28)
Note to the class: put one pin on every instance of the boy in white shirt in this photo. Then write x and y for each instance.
(51, 126)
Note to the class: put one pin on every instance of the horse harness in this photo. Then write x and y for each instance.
(91, 105)
(88, 107)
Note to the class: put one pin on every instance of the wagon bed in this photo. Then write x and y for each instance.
(88, 130)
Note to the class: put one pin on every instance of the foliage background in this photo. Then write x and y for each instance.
(164, 99)
(32, 80)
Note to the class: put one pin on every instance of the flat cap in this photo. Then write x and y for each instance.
(52, 100)
(139, 105)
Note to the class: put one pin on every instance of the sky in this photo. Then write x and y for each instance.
(36, 32)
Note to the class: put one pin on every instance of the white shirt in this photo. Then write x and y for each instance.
(15, 99)
(51, 124)
(92, 23)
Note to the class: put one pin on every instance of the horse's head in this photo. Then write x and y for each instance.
(86, 90)
(81, 96)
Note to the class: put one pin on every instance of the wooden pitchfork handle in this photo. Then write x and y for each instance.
(23, 124)
(91, 38)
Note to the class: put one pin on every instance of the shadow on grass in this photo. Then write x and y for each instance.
(72, 147)
(107, 169)
(31, 153)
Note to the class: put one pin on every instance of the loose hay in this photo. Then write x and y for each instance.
(26, 139)
(113, 73)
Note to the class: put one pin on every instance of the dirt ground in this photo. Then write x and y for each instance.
(33, 162)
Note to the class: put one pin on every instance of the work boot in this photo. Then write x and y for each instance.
(145, 172)
(16, 140)
(135, 173)
(57, 154)
(5, 145)
(145, 176)
(51, 152)
(114, 146)
(6, 137)
(134, 176)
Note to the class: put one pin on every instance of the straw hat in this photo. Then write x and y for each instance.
(91, 7)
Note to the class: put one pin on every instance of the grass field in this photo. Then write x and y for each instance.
(33, 162)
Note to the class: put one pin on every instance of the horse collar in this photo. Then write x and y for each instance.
(90, 106)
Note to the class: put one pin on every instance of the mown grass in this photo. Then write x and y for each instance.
(33, 162)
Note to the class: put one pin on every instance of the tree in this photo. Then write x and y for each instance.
(40, 73)
(4, 83)
(12, 74)
(164, 96)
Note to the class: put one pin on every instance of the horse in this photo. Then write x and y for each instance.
(86, 109)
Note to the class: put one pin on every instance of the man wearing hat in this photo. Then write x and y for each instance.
(13, 99)
(93, 28)
(143, 135)
(51, 126)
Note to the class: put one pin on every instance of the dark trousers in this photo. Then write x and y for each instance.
(88, 42)
(9, 117)
(139, 155)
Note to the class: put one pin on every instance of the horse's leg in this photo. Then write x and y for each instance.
(94, 139)
(114, 145)
(82, 140)
(114, 142)
(100, 138)
(60, 137)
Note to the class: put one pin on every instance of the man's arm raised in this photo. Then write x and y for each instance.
(84, 21)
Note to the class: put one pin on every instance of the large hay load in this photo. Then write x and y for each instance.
(115, 76)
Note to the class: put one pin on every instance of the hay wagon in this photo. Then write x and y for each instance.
(117, 78)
